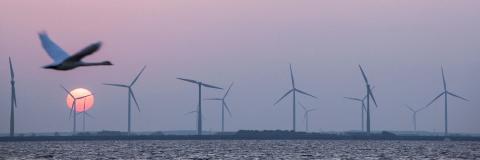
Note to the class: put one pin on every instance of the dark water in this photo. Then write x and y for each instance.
(241, 149)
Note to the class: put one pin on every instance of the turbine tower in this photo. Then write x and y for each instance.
(74, 108)
(414, 112)
(369, 95)
(199, 110)
(445, 93)
(307, 111)
(224, 106)
(131, 95)
(293, 91)
(13, 100)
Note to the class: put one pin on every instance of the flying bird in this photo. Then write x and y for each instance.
(62, 60)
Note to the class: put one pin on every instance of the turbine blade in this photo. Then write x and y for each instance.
(136, 78)
(422, 108)
(82, 97)
(283, 96)
(450, 93)
(67, 91)
(365, 97)
(226, 107)
(443, 78)
(210, 86)
(435, 99)
(190, 112)
(12, 75)
(354, 99)
(305, 93)
(301, 105)
(188, 80)
(88, 115)
(373, 98)
(228, 90)
(213, 99)
(310, 110)
(134, 99)
(291, 76)
(71, 109)
(363, 74)
(116, 85)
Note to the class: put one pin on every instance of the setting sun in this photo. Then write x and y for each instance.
(83, 104)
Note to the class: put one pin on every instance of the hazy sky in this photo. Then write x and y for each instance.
(401, 45)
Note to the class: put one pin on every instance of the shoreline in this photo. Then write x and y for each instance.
(241, 137)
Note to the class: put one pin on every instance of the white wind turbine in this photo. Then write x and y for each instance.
(445, 93)
(369, 95)
(307, 111)
(13, 100)
(199, 110)
(414, 116)
(74, 108)
(224, 106)
(294, 90)
(130, 96)
(362, 108)
(84, 112)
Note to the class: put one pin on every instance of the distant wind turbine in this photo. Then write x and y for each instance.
(307, 111)
(74, 108)
(362, 108)
(62, 60)
(13, 100)
(445, 93)
(369, 95)
(362, 101)
(224, 106)
(84, 113)
(199, 110)
(414, 116)
(131, 95)
(293, 91)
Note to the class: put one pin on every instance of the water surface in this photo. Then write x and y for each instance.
(241, 149)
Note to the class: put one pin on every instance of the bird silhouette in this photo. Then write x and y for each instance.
(62, 60)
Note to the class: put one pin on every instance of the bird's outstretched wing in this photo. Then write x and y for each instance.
(54, 51)
(84, 52)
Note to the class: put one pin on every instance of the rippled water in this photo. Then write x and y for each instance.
(241, 149)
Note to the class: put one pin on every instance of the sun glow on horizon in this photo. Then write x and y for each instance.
(83, 104)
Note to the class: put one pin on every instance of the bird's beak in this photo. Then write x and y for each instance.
(49, 67)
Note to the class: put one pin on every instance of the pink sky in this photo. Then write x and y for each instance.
(401, 43)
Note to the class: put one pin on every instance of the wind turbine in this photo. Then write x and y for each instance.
(293, 91)
(13, 100)
(224, 106)
(130, 96)
(307, 111)
(445, 93)
(369, 95)
(362, 108)
(199, 110)
(84, 113)
(414, 115)
(74, 108)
